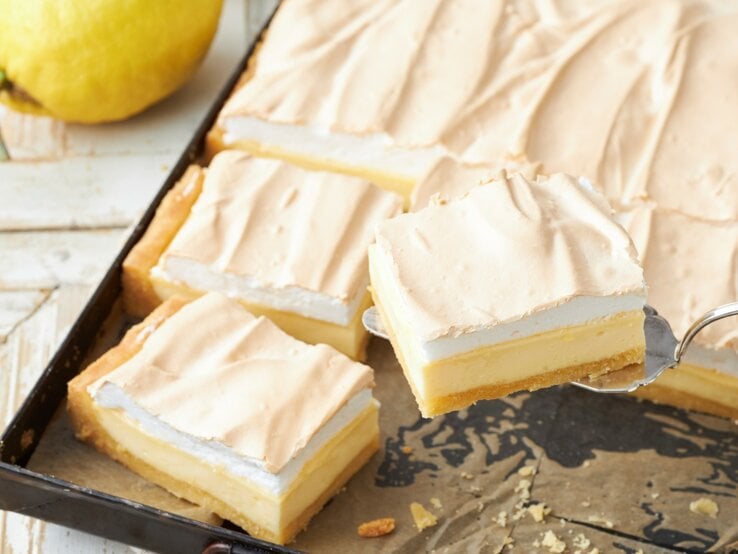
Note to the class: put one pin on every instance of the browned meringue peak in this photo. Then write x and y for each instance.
(505, 251)
(639, 97)
(284, 226)
(691, 266)
(449, 178)
(216, 372)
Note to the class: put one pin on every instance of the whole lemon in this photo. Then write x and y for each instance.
(99, 60)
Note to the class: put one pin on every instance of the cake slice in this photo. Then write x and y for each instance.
(225, 410)
(691, 266)
(517, 285)
(287, 242)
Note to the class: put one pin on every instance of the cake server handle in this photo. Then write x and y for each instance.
(716, 314)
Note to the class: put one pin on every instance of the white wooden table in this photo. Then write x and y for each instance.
(68, 198)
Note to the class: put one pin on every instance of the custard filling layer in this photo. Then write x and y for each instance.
(521, 359)
(257, 505)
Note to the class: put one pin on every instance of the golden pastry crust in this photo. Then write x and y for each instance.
(139, 296)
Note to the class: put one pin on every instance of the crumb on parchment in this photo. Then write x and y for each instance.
(376, 527)
(501, 519)
(523, 488)
(527, 471)
(422, 517)
(581, 542)
(553, 543)
(539, 512)
(507, 542)
(601, 520)
(407, 449)
(436, 503)
(705, 507)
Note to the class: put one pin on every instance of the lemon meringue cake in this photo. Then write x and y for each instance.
(225, 410)
(287, 242)
(691, 266)
(517, 285)
(381, 88)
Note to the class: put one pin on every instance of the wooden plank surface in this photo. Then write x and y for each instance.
(67, 199)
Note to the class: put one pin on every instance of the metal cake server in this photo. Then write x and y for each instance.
(663, 350)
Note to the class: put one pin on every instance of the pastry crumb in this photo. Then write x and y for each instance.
(539, 512)
(523, 487)
(655, 495)
(501, 519)
(438, 199)
(553, 543)
(436, 503)
(466, 475)
(581, 542)
(475, 490)
(537, 543)
(527, 471)
(601, 520)
(422, 517)
(407, 449)
(376, 527)
(586, 463)
(705, 507)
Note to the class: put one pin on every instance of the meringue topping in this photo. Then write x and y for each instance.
(639, 97)
(274, 393)
(691, 266)
(508, 249)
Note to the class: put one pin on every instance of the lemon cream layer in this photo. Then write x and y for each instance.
(216, 453)
(215, 396)
(283, 240)
(690, 265)
(514, 260)
(644, 90)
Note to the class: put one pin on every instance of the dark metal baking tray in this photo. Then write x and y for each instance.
(640, 447)
(65, 503)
